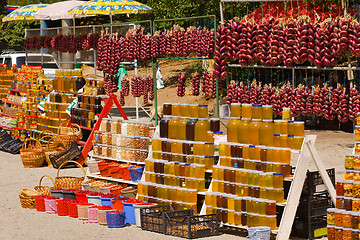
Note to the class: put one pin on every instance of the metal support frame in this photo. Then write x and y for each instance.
(154, 63)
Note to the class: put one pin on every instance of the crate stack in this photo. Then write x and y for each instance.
(310, 220)
(343, 221)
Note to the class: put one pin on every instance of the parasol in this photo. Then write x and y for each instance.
(24, 13)
(58, 11)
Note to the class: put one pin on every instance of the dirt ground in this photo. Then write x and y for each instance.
(19, 223)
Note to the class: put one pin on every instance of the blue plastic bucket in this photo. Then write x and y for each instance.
(106, 202)
(259, 233)
(115, 219)
(129, 213)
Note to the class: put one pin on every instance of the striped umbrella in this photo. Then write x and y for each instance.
(110, 7)
(24, 13)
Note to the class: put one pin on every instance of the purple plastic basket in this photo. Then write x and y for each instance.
(115, 219)
(136, 173)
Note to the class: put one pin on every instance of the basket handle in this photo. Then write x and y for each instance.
(43, 133)
(78, 164)
(61, 125)
(52, 138)
(52, 180)
(29, 139)
(43, 138)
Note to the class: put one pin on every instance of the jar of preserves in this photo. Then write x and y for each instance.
(356, 164)
(257, 111)
(346, 219)
(349, 175)
(356, 190)
(201, 128)
(349, 161)
(203, 111)
(267, 112)
(330, 216)
(167, 108)
(355, 204)
(340, 188)
(357, 133)
(338, 233)
(355, 234)
(339, 202)
(246, 111)
(355, 220)
(339, 217)
(331, 232)
(348, 188)
(346, 233)
(348, 203)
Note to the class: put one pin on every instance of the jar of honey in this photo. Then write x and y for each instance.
(267, 112)
(175, 109)
(298, 128)
(193, 111)
(232, 129)
(257, 111)
(246, 111)
(235, 110)
(243, 130)
(184, 110)
(254, 131)
(266, 133)
(203, 111)
(286, 113)
(277, 126)
(202, 126)
(181, 128)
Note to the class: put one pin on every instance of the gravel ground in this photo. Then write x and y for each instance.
(19, 223)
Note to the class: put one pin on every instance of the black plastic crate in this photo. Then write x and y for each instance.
(314, 183)
(188, 224)
(314, 205)
(316, 228)
(152, 218)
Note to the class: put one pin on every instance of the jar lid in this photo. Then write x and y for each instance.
(267, 120)
(235, 104)
(354, 230)
(246, 104)
(290, 135)
(331, 209)
(209, 156)
(267, 106)
(279, 120)
(278, 174)
(337, 227)
(165, 116)
(193, 118)
(256, 120)
(235, 118)
(299, 122)
(209, 143)
(289, 121)
(252, 146)
(175, 104)
(277, 135)
(202, 119)
(218, 132)
(203, 105)
(184, 104)
(166, 103)
(257, 105)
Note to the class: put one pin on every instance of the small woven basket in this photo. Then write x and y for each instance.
(32, 156)
(27, 197)
(69, 182)
(44, 190)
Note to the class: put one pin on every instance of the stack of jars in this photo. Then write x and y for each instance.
(183, 151)
(86, 110)
(253, 124)
(255, 157)
(245, 211)
(94, 87)
(178, 197)
(342, 224)
(109, 142)
(188, 122)
(175, 174)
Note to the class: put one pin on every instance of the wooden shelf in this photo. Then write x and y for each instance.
(111, 179)
(14, 103)
(8, 115)
(19, 91)
(118, 160)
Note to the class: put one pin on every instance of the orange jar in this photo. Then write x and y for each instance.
(257, 111)
(254, 131)
(232, 127)
(202, 126)
(243, 130)
(235, 110)
(266, 133)
(267, 112)
(298, 128)
(246, 110)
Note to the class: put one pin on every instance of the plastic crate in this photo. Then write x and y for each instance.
(152, 218)
(316, 228)
(187, 224)
(314, 205)
(314, 183)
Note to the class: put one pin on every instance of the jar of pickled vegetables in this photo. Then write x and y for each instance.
(266, 133)
(330, 216)
(340, 202)
(338, 233)
(349, 175)
(349, 161)
(355, 204)
(243, 130)
(339, 217)
(257, 111)
(235, 110)
(356, 190)
(254, 131)
(330, 232)
(356, 162)
(346, 233)
(357, 133)
(355, 220)
(355, 234)
(232, 129)
(340, 188)
(348, 188)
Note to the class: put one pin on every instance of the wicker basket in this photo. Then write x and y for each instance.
(69, 182)
(27, 197)
(44, 190)
(32, 156)
(53, 148)
(68, 134)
